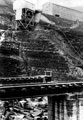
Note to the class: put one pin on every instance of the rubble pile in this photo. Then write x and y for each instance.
(24, 109)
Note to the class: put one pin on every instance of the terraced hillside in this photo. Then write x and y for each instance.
(50, 49)
(45, 48)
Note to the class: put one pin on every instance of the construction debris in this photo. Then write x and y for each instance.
(25, 109)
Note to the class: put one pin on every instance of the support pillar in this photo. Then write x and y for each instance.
(56, 108)
(78, 109)
(51, 108)
(59, 108)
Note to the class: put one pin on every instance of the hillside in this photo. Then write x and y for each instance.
(6, 11)
(8, 3)
(6, 6)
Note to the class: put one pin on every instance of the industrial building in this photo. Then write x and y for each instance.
(61, 11)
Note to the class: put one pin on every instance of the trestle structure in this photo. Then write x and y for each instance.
(25, 87)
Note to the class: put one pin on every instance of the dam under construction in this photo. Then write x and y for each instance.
(41, 62)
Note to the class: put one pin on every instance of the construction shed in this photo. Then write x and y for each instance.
(18, 6)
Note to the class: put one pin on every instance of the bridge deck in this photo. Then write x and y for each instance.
(21, 90)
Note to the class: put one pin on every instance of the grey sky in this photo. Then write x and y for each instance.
(68, 3)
